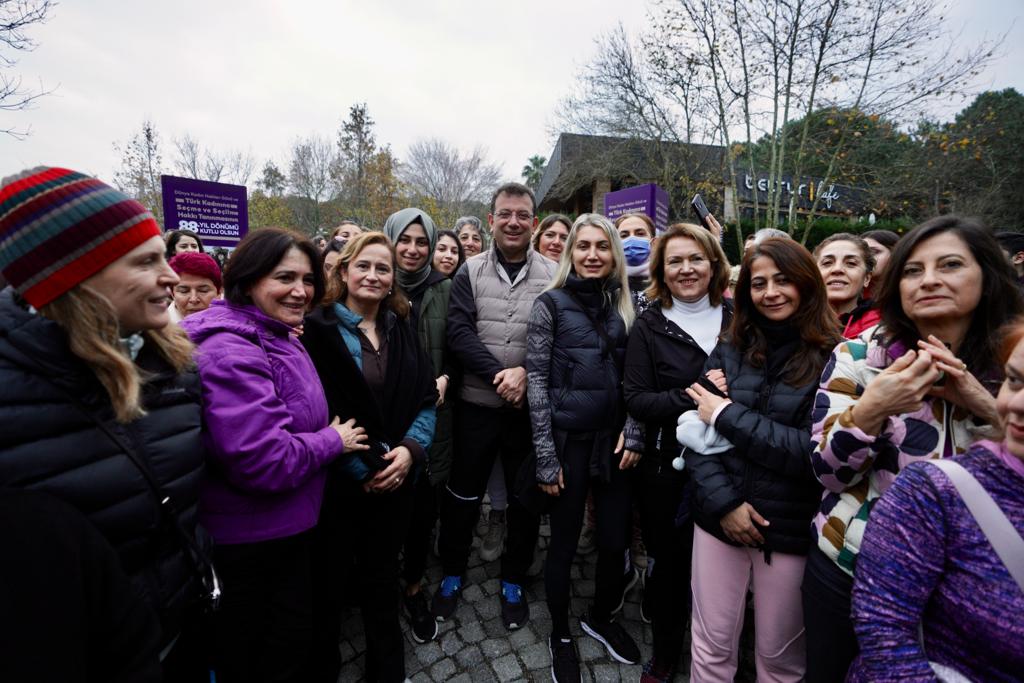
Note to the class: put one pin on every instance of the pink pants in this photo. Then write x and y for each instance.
(721, 574)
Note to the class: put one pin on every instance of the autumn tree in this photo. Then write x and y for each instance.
(385, 190)
(16, 18)
(192, 160)
(357, 147)
(141, 168)
(272, 181)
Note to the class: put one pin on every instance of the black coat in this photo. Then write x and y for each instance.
(661, 361)
(67, 611)
(48, 444)
(585, 376)
(769, 466)
(409, 385)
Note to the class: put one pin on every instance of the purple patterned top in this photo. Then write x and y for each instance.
(924, 558)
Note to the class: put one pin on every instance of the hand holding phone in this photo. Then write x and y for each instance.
(701, 209)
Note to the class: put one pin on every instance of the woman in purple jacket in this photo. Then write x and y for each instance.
(269, 438)
(925, 562)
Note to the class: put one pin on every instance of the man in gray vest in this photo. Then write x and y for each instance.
(491, 298)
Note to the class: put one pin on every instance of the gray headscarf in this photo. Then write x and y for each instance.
(395, 225)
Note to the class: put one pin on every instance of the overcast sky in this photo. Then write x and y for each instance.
(255, 75)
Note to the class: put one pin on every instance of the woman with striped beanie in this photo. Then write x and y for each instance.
(99, 399)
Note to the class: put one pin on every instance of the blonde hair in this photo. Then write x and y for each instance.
(659, 291)
(624, 305)
(94, 335)
(337, 290)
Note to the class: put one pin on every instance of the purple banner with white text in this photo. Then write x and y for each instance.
(217, 212)
(647, 199)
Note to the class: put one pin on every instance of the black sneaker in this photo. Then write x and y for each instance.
(614, 638)
(446, 599)
(424, 627)
(515, 611)
(565, 663)
(629, 580)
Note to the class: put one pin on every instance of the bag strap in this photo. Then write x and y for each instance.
(200, 561)
(1005, 540)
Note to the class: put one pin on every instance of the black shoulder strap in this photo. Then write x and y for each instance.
(201, 562)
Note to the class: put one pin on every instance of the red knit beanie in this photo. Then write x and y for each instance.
(196, 263)
(59, 227)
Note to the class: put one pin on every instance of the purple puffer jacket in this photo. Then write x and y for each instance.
(265, 426)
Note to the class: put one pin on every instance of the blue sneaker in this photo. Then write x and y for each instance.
(446, 599)
(515, 611)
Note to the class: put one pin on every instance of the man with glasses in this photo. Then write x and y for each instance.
(491, 298)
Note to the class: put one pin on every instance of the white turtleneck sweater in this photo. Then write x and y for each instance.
(699, 319)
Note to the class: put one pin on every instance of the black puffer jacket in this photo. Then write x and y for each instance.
(661, 361)
(48, 444)
(585, 380)
(769, 466)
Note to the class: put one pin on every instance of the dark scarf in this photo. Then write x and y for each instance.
(783, 340)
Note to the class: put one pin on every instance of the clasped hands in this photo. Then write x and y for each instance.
(708, 402)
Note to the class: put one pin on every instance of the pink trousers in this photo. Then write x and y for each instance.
(721, 575)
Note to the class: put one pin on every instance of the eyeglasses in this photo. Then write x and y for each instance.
(506, 215)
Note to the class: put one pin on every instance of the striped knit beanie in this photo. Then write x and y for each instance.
(60, 227)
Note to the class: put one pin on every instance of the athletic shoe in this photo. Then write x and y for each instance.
(446, 599)
(655, 672)
(629, 580)
(515, 612)
(614, 638)
(565, 663)
(424, 627)
(494, 539)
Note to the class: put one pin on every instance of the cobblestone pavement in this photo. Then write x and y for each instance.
(474, 646)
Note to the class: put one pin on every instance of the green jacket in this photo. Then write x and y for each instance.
(432, 329)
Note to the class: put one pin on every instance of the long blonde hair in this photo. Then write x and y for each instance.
(95, 336)
(624, 305)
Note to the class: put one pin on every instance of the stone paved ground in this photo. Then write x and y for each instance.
(475, 647)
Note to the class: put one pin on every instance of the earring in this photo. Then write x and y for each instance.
(390, 291)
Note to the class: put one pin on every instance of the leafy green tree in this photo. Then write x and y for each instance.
(533, 171)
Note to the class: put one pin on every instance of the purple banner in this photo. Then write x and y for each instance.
(217, 212)
(647, 199)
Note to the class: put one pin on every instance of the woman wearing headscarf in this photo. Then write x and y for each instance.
(413, 233)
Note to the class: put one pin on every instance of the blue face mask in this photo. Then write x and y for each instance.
(637, 249)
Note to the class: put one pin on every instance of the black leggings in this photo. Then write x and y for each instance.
(831, 642)
(614, 527)
(417, 538)
(662, 494)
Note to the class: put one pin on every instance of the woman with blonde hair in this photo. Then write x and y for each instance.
(99, 398)
(576, 342)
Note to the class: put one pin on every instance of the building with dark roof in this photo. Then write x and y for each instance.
(583, 168)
